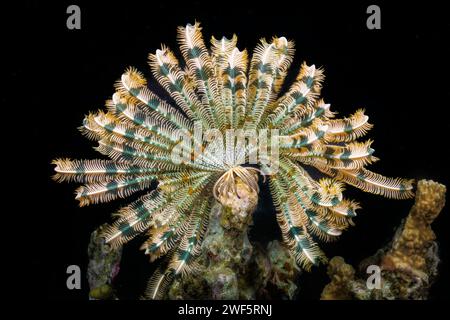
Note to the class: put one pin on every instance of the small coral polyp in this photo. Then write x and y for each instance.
(220, 88)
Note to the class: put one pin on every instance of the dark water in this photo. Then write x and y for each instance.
(395, 73)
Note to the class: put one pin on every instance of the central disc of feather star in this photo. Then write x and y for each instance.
(218, 89)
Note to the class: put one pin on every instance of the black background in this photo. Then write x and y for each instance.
(398, 74)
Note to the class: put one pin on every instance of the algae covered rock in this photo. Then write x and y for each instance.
(103, 267)
(230, 266)
(408, 264)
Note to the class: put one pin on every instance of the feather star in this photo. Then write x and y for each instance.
(218, 90)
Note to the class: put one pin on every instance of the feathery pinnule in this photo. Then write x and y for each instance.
(221, 88)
